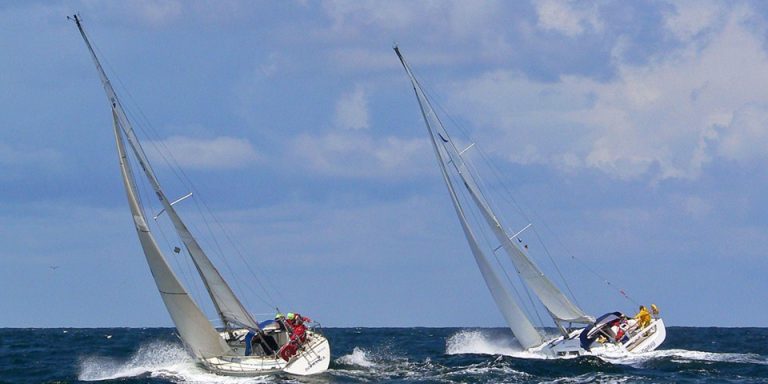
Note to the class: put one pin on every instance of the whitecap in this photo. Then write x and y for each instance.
(483, 343)
(359, 357)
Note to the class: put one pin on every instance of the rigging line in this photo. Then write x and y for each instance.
(481, 224)
(184, 268)
(585, 265)
(557, 267)
(508, 194)
(269, 301)
(236, 247)
(490, 246)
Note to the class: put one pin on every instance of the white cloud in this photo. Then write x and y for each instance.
(746, 138)
(352, 110)
(667, 117)
(566, 17)
(691, 18)
(221, 152)
(351, 154)
(473, 25)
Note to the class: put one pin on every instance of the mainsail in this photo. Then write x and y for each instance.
(229, 308)
(559, 307)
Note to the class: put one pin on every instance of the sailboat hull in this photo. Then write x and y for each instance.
(313, 357)
(640, 341)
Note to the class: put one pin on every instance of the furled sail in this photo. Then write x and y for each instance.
(518, 322)
(230, 309)
(195, 330)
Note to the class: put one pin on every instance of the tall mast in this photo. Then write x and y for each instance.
(518, 322)
(229, 308)
(559, 307)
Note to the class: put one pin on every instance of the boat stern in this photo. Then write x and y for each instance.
(314, 356)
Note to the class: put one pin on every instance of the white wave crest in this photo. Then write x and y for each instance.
(486, 343)
(156, 359)
(684, 356)
(358, 357)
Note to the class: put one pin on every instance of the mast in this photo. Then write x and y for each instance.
(518, 322)
(559, 307)
(230, 310)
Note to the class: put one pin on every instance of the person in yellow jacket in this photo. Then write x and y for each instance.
(643, 318)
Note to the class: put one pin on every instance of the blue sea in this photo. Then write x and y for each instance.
(383, 355)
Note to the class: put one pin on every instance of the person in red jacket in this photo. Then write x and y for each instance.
(295, 323)
(298, 329)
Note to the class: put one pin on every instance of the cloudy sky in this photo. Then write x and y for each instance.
(637, 132)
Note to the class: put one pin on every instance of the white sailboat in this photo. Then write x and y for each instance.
(232, 350)
(609, 335)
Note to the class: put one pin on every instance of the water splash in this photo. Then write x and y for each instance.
(156, 359)
(484, 343)
(358, 357)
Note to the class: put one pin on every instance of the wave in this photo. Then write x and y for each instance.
(683, 356)
(487, 342)
(156, 359)
(482, 342)
(358, 357)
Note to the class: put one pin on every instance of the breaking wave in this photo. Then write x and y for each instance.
(358, 357)
(483, 342)
(159, 360)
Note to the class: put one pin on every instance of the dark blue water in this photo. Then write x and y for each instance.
(389, 355)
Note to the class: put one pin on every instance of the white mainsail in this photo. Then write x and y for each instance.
(230, 309)
(559, 307)
(194, 328)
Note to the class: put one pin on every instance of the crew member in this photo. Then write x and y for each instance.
(298, 329)
(295, 323)
(643, 317)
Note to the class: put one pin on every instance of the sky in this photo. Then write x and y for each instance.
(635, 132)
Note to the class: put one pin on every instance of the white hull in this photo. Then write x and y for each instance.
(313, 357)
(640, 341)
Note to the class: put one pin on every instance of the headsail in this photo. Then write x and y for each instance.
(559, 307)
(194, 328)
(230, 309)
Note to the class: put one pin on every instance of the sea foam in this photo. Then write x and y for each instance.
(358, 357)
(156, 359)
(482, 342)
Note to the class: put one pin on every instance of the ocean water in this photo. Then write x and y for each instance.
(383, 355)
